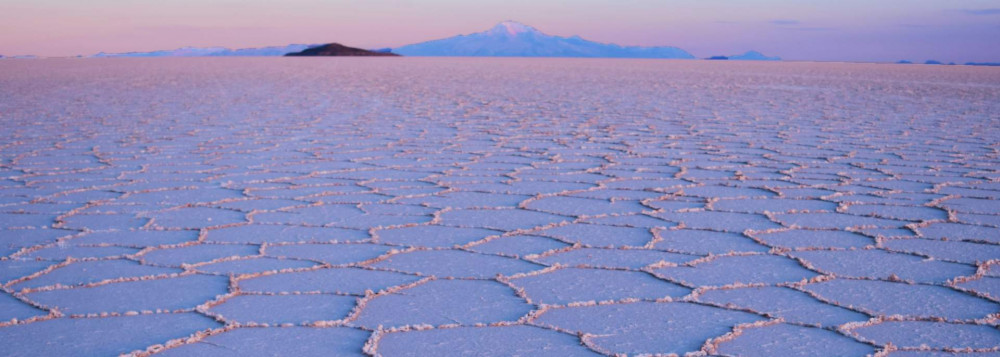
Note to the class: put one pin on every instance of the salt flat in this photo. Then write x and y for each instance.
(403, 206)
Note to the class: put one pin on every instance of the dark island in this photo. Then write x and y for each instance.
(336, 49)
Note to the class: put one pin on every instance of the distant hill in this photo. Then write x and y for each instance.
(753, 56)
(336, 49)
(513, 39)
(748, 56)
(213, 52)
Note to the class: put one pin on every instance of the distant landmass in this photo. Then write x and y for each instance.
(514, 39)
(935, 62)
(20, 57)
(213, 52)
(754, 56)
(336, 49)
(748, 56)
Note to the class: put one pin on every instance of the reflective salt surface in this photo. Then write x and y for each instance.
(404, 206)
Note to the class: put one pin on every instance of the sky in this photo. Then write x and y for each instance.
(821, 30)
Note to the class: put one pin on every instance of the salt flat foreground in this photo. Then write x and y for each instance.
(202, 207)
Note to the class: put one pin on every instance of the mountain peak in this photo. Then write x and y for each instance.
(514, 39)
(512, 28)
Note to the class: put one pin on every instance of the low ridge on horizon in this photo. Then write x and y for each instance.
(336, 49)
(508, 38)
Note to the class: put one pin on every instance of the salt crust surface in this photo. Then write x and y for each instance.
(338, 206)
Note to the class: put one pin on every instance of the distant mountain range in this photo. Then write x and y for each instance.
(214, 52)
(506, 39)
(754, 56)
(513, 39)
(336, 49)
(748, 56)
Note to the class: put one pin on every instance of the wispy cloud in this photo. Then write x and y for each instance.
(979, 12)
(784, 22)
(812, 28)
(796, 25)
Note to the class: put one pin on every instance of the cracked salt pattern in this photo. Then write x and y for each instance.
(498, 206)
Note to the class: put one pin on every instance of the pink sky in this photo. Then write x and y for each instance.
(847, 30)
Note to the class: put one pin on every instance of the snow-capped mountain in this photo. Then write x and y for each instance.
(753, 56)
(513, 39)
(213, 51)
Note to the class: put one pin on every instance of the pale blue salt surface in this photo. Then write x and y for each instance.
(568, 285)
(876, 263)
(337, 214)
(521, 244)
(396, 208)
(931, 334)
(643, 327)
(283, 233)
(958, 251)
(347, 180)
(761, 205)
(197, 218)
(85, 272)
(483, 341)
(974, 205)
(659, 185)
(989, 286)
(608, 194)
(23, 220)
(801, 238)
(99, 222)
(441, 302)
(834, 220)
(957, 231)
(600, 235)
(789, 304)
(12, 308)
(183, 292)
(726, 192)
(331, 280)
(720, 221)
(791, 340)
(915, 353)
(749, 269)
(282, 309)
(673, 204)
(433, 236)
(455, 263)
(253, 265)
(100, 336)
(705, 242)
(139, 238)
(979, 219)
(909, 213)
(193, 254)
(14, 239)
(262, 204)
(61, 252)
(614, 258)
(632, 220)
(889, 298)
(181, 197)
(500, 219)
(274, 341)
(334, 254)
(468, 200)
(573, 206)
